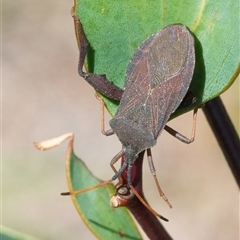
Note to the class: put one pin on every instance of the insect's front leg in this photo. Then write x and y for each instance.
(98, 81)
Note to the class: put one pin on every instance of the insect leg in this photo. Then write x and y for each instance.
(181, 137)
(104, 132)
(98, 81)
(153, 171)
(120, 171)
(117, 175)
(124, 192)
(125, 196)
(87, 189)
(147, 205)
(187, 100)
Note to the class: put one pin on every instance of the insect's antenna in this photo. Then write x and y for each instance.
(87, 189)
(146, 205)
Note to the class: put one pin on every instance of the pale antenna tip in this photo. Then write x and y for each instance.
(163, 218)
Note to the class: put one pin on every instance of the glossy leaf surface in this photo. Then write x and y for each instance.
(116, 28)
(94, 206)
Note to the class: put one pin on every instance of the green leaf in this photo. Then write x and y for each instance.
(94, 207)
(116, 28)
(10, 234)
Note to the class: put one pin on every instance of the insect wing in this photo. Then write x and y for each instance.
(129, 122)
(172, 61)
(137, 84)
(157, 80)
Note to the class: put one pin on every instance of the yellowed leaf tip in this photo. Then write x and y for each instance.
(48, 144)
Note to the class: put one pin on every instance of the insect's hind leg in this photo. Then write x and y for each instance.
(98, 81)
(81, 42)
(181, 137)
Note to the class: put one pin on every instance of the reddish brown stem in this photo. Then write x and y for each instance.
(149, 223)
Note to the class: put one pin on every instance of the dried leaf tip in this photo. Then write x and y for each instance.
(50, 143)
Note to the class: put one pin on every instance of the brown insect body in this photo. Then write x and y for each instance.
(157, 79)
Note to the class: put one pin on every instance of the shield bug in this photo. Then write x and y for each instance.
(157, 79)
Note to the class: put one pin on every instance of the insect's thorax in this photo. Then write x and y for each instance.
(131, 135)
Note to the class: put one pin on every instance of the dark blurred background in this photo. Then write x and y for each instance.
(44, 97)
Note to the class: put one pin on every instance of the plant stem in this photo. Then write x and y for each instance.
(148, 222)
(225, 134)
(228, 140)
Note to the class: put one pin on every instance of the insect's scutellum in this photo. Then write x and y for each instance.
(158, 77)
